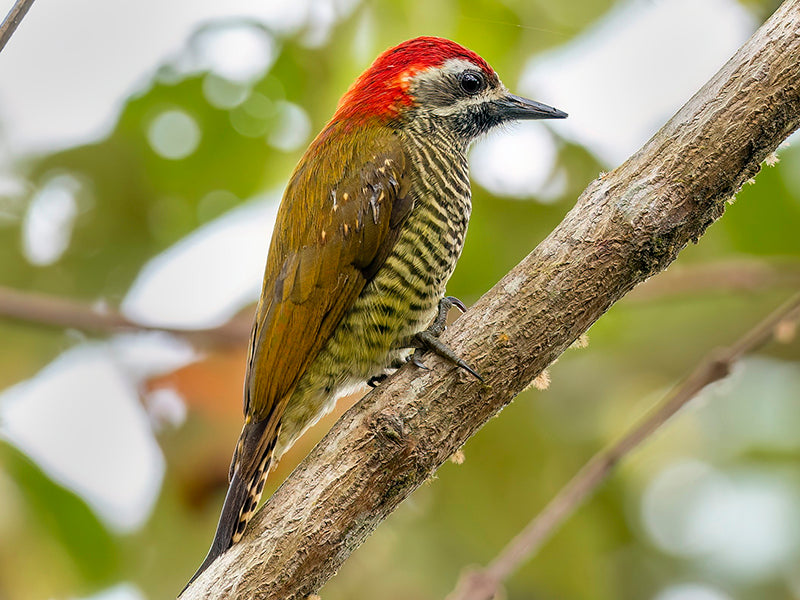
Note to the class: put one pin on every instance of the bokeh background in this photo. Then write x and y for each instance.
(143, 150)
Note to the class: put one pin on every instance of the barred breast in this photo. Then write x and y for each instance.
(403, 296)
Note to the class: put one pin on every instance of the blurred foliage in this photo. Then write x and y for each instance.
(57, 518)
(134, 204)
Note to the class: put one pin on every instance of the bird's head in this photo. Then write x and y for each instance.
(437, 79)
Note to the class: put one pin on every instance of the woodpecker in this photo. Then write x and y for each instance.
(368, 233)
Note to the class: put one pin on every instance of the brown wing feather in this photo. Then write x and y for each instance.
(337, 224)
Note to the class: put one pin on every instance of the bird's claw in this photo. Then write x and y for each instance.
(376, 380)
(416, 359)
(429, 339)
(453, 301)
(461, 363)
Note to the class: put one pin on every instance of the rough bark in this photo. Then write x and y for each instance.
(626, 226)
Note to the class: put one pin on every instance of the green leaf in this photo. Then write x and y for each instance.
(64, 517)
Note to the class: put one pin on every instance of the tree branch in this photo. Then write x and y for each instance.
(53, 311)
(12, 20)
(484, 584)
(625, 227)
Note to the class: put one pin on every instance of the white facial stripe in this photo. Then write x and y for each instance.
(485, 96)
(455, 66)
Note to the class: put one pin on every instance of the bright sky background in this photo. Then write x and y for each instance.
(616, 97)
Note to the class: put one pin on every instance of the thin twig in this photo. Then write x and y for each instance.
(724, 276)
(484, 584)
(12, 20)
(59, 312)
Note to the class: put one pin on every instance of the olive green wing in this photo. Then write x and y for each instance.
(338, 222)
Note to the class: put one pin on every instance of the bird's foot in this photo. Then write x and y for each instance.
(440, 322)
(376, 380)
(429, 339)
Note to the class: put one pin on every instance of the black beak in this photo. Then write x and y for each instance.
(511, 107)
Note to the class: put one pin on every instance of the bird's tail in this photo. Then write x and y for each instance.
(249, 470)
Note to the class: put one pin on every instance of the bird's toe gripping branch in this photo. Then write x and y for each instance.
(429, 339)
(376, 380)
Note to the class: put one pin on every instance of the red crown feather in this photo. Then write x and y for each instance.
(382, 90)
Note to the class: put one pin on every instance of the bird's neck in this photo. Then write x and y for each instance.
(436, 132)
(440, 185)
(439, 157)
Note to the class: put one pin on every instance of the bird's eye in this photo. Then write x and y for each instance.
(472, 82)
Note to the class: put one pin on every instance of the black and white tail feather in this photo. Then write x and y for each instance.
(248, 473)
